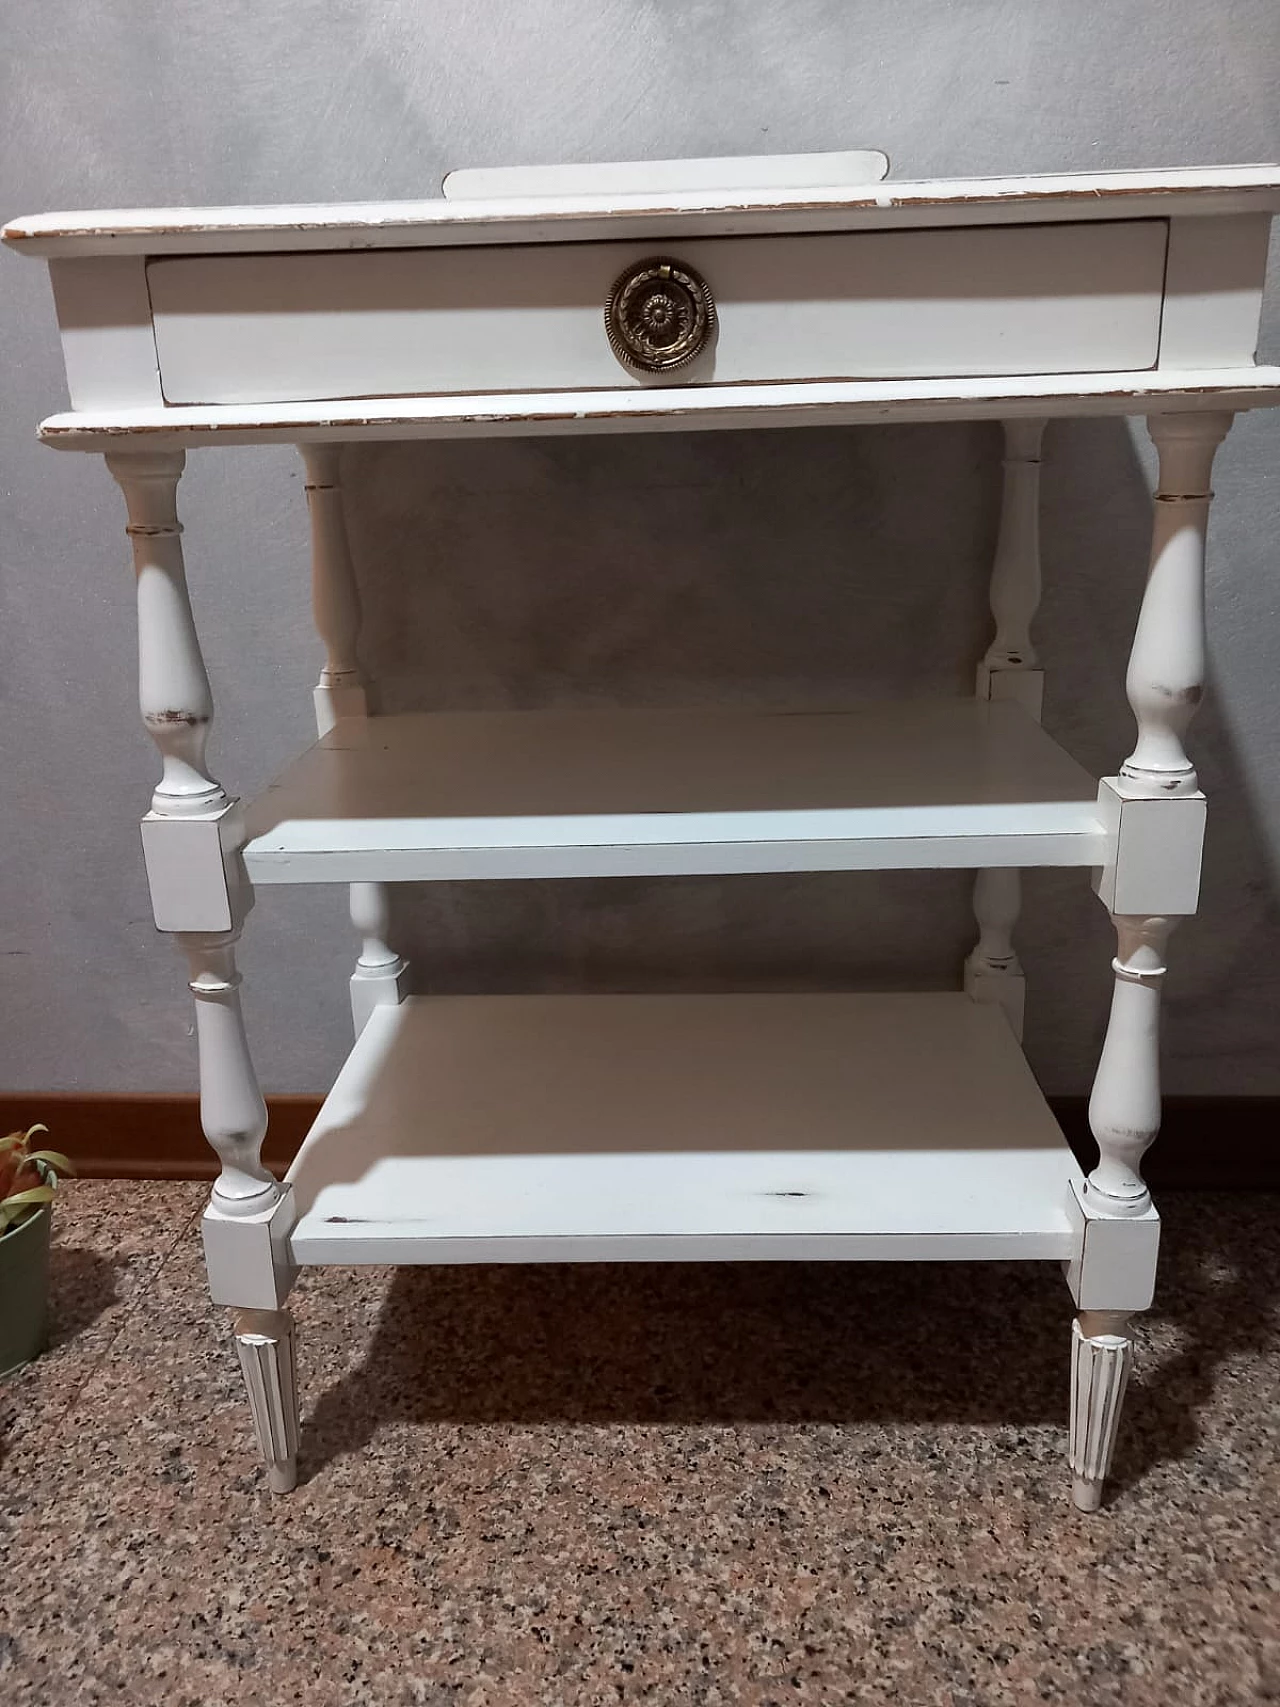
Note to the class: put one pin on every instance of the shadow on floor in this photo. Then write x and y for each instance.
(795, 1343)
(1217, 1300)
(82, 1287)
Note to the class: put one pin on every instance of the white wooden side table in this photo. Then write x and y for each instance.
(712, 295)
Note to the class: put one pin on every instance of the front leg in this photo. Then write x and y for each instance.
(1166, 664)
(232, 1113)
(1119, 1230)
(1156, 814)
(1101, 1358)
(265, 1344)
(1124, 1108)
(173, 685)
(200, 894)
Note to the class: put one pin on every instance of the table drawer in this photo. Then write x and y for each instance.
(859, 305)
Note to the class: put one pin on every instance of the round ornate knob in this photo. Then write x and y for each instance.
(659, 315)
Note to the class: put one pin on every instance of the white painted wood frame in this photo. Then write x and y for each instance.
(1010, 671)
(841, 1126)
(381, 974)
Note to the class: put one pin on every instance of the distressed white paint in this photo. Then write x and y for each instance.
(1006, 300)
(593, 1128)
(802, 404)
(192, 869)
(1124, 1108)
(524, 794)
(730, 1127)
(1101, 1358)
(1088, 196)
(1154, 850)
(233, 1115)
(173, 686)
(1113, 1263)
(1166, 665)
(268, 1361)
(246, 1253)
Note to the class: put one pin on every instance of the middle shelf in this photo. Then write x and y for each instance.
(457, 795)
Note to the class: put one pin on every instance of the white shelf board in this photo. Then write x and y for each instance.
(648, 793)
(651, 1128)
(679, 409)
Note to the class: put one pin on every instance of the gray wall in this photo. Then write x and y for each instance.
(768, 568)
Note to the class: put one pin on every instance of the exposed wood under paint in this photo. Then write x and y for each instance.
(958, 201)
(811, 403)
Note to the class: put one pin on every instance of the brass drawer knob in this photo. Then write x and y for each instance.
(659, 315)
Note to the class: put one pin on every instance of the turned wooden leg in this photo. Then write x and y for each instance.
(1166, 664)
(335, 599)
(381, 975)
(194, 877)
(1101, 1357)
(1124, 1107)
(191, 842)
(1152, 879)
(1015, 570)
(173, 686)
(232, 1112)
(1010, 670)
(993, 972)
(265, 1343)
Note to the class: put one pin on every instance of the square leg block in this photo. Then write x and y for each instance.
(193, 870)
(1115, 1264)
(376, 987)
(1155, 868)
(1024, 687)
(248, 1258)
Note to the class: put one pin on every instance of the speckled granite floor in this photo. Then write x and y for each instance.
(679, 1485)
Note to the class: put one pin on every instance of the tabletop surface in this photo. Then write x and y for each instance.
(546, 216)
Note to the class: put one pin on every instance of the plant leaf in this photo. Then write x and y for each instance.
(52, 1159)
(22, 1205)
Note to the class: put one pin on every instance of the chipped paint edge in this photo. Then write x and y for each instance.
(799, 403)
(1225, 189)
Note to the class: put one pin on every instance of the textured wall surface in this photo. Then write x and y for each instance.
(753, 569)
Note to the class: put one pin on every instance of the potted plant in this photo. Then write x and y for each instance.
(27, 1181)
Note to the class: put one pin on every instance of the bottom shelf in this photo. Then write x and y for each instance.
(683, 1128)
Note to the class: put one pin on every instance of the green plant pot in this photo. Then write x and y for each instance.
(24, 1291)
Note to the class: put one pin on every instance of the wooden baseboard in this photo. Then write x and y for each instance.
(1205, 1144)
(148, 1137)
